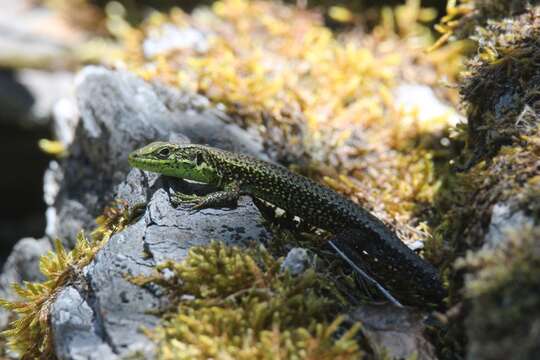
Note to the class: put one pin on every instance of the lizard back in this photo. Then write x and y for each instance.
(362, 235)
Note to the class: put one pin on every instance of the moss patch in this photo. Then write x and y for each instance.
(235, 303)
(323, 102)
(30, 334)
(504, 319)
(491, 284)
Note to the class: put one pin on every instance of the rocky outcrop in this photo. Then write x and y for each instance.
(101, 314)
(118, 113)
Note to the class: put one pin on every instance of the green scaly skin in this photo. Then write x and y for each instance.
(359, 234)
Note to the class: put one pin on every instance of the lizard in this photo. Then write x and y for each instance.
(358, 233)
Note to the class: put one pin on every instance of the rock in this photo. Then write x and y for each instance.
(296, 261)
(47, 89)
(72, 320)
(118, 113)
(172, 232)
(421, 100)
(393, 332)
(21, 265)
(171, 37)
(101, 315)
(108, 312)
(505, 219)
(121, 309)
(66, 118)
(35, 37)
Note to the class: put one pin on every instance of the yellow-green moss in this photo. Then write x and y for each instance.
(322, 102)
(30, 334)
(233, 303)
(464, 17)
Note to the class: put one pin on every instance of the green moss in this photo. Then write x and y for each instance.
(489, 289)
(30, 334)
(506, 69)
(236, 303)
(464, 17)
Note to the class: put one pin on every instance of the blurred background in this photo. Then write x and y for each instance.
(44, 43)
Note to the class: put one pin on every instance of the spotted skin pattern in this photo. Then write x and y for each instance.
(358, 232)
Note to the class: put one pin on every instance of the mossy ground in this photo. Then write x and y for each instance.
(325, 104)
(233, 303)
(494, 286)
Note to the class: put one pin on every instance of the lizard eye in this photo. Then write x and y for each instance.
(164, 153)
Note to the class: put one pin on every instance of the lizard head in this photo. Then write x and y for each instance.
(185, 161)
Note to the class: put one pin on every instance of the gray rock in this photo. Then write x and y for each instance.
(108, 312)
(66, 118)
(47, 89)
(170, 37)
(505, 218)
(118, 113)
(394, 332)
(172, 232)
(102, 315)
(72, 318)
(121, 308)
(21, 265)
(34, 37)
(296, 261)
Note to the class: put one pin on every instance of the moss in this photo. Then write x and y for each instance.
(323, 102)
(470, 196)
(94, 16)
(498, 165)
(499, 93)
(30, 334)
(464, 17)
(506, 68)
(235, 303)
(504, 320)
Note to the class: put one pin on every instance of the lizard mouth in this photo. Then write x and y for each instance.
(140, 162)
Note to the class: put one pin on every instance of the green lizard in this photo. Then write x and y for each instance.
(359, 234)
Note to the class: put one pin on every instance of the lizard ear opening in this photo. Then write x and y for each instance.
(199, 159)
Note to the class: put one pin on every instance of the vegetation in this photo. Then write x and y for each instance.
(30, 334)
(233, 303)
(490, 276)
(326, 104)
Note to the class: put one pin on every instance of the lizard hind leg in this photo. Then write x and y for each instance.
(179, 198)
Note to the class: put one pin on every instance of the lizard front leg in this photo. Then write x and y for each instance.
(226, 198)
